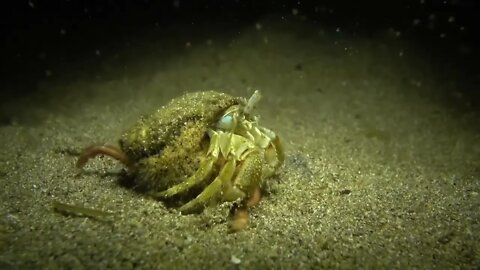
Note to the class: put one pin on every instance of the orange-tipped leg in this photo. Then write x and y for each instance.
(255, 198)
(106, 150)
(240, 219)
(241, 216)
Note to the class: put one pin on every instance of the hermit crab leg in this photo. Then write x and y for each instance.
(107, 150)
(280, 151)
(201, 174)
(241, 217)
(248, 179)
(212, 189)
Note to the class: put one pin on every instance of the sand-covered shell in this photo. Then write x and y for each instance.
(167, 146)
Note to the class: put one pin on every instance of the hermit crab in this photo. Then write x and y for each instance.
(200, 149)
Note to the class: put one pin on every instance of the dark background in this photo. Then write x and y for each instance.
(38, 37)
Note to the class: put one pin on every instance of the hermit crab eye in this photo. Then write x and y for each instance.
(226, 122)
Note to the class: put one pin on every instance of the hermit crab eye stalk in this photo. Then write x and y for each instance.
(227, 122)
(238, 113)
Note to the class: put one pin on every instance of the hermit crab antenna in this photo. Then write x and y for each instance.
(252, 101)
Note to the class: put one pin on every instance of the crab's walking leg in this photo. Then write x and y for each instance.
(212, 189)
(247, 178)
(107, 150)
(280, 151)
(254, 199)
(245, 185)
(201, 174)
(241, 216)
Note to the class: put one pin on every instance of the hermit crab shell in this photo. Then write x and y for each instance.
(167, 146)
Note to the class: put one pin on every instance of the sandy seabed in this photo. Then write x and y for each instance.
(379, 173)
